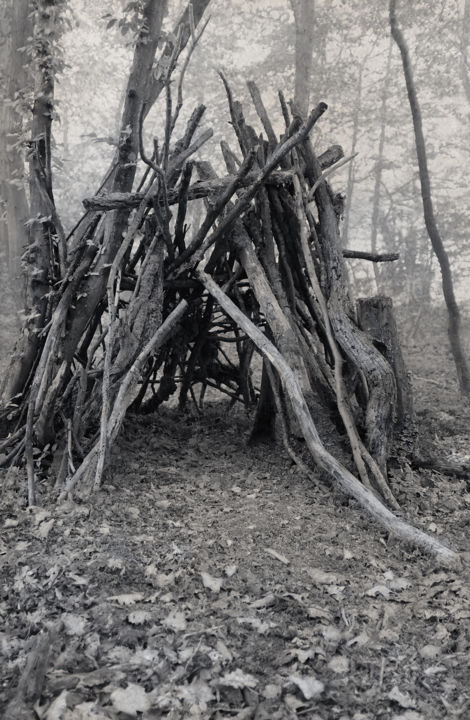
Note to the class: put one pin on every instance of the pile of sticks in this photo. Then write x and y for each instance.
(212, 269)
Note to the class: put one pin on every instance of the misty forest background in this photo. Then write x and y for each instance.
(356, 69)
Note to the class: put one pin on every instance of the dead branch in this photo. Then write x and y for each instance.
(346, 481)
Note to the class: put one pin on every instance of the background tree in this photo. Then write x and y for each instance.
(463, 371)
(304, 15)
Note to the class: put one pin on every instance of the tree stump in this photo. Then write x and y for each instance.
(377, 319)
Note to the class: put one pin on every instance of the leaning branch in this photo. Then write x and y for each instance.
(346, 480)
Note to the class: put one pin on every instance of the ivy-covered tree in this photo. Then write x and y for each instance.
(15, 92)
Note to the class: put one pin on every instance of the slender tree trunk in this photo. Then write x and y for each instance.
(464, 43)
(463, 371)
(351, 169)
(378, 167)
(304, 15)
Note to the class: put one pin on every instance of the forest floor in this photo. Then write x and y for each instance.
(211, 579)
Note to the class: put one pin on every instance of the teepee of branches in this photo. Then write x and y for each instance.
(153, 300)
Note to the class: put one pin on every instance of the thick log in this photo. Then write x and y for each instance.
(196, 191)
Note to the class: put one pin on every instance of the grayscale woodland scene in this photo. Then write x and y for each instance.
(234, 359)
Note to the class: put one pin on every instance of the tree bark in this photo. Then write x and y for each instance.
(42, 260)
(463, 370)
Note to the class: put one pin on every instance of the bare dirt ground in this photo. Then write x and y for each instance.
(210, 579)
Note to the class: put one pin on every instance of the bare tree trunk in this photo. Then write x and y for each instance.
(378, 167)
(464, 59)
(351, 169)
(304, 15)
(463, 371)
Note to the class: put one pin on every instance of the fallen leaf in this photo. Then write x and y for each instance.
(78, 579)
(73, 624)
(335, 591)
(332, 633)
(175, 621)
(293, 703)
(379, 590)
(339, 664)
(115, 564)
(308, 685)
(163, 504)
(429, 652)
(11, 523)
(404, 699)
(399, 584)
(212, 583)
(58, 707)
(359, 640)
(263, 602)
(196, 695)
(127, 598)
(261, 627)
(238, 679)
(44, 529)
(139, 617)
(223, 650)
(272, 692)
(435, 670)
(131, 700)
(85, 711)
(315, 612)
(38, 514)
(304, 655)
(277, 556)
(321, 577)
(163, 580)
